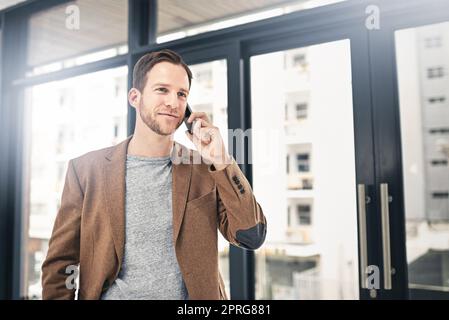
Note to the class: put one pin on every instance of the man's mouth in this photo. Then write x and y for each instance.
(170, 115)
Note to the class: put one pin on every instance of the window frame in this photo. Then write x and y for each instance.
(235, 44)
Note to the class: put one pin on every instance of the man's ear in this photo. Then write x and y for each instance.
(134, 97)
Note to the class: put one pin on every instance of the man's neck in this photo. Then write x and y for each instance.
(147, 143)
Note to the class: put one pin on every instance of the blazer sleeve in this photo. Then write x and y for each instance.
(240, 218)
(63, 250)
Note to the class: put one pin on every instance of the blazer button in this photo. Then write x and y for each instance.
(240, 186)
(242, 191)
(235, 178)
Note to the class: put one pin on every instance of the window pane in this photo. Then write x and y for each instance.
(311, 247)
(77, 28)
(65, 119)
(209, 94)
(423, 83)
(178, 19)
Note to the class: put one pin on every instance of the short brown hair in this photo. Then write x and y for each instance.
(149, 60)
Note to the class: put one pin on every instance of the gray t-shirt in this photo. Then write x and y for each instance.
(150, 269)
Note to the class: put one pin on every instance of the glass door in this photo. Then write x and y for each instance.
(410, 90)
(422, 59)
(305, 134)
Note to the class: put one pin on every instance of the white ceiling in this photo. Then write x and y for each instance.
(176, 15)
(9, 3)
(104, 23)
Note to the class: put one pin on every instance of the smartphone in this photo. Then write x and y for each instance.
(186, 116)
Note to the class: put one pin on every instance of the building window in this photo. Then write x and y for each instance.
(307, 184)
(288, 164)
(61, 172)
(439, 162)
(39, 208)
(286, 112)
(289, 222)
(303, 162)
(440, 195)
(439, 130)
(439, 99)
(60, 141)
(117, 88)
(299, 60)
(304, 215)
(437, 72)
(204, 77)
(62, 100)
(301, 111)
(433, 42)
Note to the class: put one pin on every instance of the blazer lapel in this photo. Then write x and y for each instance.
(181, 175)
(114, 172)
(114, 194)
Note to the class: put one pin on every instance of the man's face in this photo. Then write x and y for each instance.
(164, 98)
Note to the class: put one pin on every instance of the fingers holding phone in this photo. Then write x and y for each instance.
(203, 131)
(198, 115)
(206, 138)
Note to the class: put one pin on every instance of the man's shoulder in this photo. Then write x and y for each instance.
(96, 157)
(93, 155)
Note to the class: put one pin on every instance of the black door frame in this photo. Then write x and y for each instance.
(387, 133)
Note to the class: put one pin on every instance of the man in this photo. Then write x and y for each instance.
(140, 225)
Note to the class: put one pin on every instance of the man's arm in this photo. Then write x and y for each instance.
(64, 244)
(240, 218)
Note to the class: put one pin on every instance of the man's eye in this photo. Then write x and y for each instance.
(162, 89)
(182, 94)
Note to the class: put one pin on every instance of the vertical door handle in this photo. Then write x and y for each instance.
(386, 249)
(362, 201)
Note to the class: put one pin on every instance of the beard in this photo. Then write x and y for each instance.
(150, 120)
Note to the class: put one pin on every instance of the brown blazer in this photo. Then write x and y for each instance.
(90, 226)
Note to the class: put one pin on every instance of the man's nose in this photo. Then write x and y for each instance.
(172, 101)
